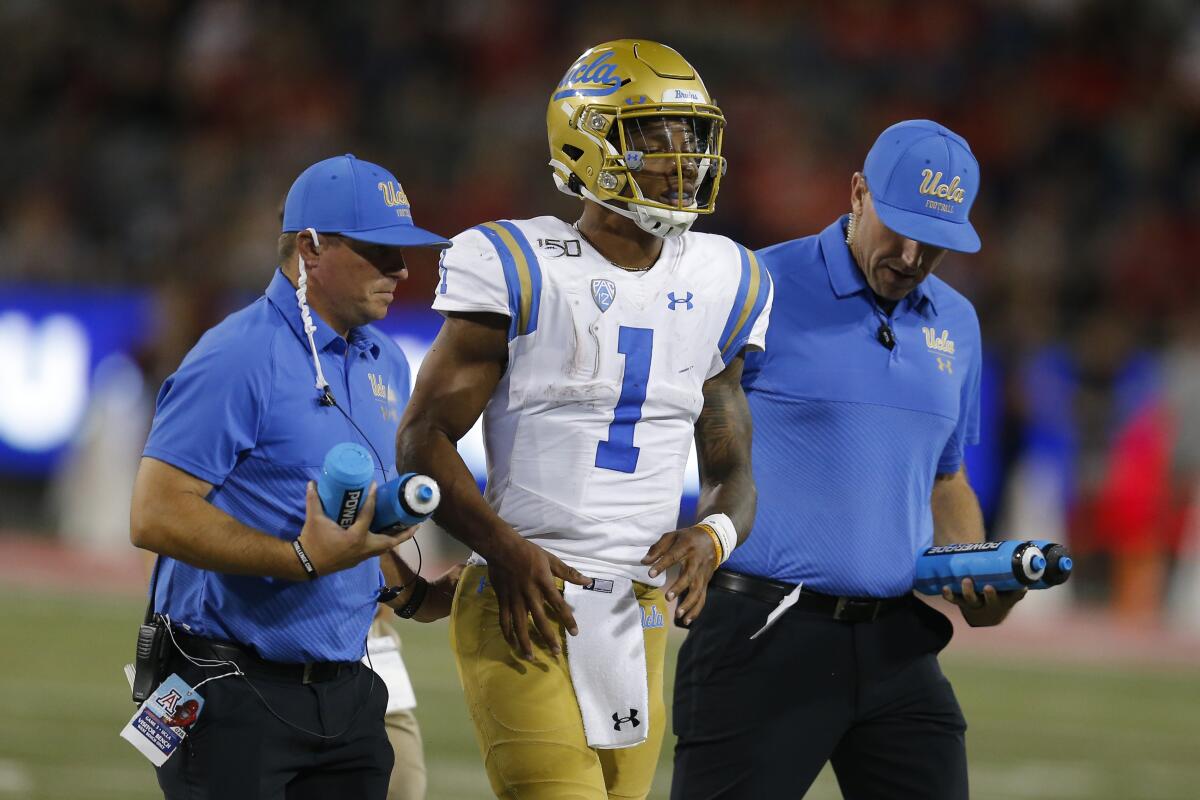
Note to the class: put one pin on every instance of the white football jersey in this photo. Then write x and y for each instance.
(589, 431)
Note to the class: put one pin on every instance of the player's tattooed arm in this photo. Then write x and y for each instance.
(457, 378)
(726, 487)
(723, 434)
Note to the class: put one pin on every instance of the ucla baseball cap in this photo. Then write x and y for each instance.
(357, 199)
(923, 179)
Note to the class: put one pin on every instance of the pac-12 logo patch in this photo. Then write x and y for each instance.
(604, 292)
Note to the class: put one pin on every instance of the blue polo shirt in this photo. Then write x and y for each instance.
(242, 414)
(849, 435)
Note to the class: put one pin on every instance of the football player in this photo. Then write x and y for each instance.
(595, 351)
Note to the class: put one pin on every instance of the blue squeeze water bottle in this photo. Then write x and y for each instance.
(345, 478)
(406, 500)
(1058, 564)
(1008, 565)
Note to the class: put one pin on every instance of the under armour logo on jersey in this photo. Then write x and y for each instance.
(677, 301)
(945, 365)
(604, 292)
(619, 720)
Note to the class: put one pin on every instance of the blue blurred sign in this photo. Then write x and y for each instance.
(51, 341)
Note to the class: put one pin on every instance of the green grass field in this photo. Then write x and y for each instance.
(1036, 730)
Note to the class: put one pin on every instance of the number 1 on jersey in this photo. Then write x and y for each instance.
(617, 452)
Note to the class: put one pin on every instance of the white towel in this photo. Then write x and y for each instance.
(787, 602)
(386, 661)
(608, 663)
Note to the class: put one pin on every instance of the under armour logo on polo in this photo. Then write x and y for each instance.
(619, 720)
(945, 365)
(675, 301)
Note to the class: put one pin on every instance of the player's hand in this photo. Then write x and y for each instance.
(522, 575)
(440, 596)
(332, 548)
(692, 549)
(983, 609)
(398, 529)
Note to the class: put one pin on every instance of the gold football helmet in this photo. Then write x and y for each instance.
(632, 127)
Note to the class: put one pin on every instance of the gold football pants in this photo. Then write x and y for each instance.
(526, 718)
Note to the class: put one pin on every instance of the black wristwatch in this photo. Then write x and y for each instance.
(420, 589)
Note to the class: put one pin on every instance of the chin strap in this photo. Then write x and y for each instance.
(664, 223)
(661, 222)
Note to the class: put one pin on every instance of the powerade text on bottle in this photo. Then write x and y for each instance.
(1005, 565)
(345, 478)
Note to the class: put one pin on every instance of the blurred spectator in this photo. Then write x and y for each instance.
(1182, 377)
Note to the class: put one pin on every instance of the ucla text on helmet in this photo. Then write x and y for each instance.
(595, 79)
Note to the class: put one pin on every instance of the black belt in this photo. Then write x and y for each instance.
(254, 665)
(844, 609)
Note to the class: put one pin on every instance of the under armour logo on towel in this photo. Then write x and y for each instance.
(677, 301)
(619, 720)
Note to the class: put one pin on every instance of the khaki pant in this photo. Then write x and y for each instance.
(408, 774)
(526, 717)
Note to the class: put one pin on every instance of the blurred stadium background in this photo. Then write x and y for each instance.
(148, 145)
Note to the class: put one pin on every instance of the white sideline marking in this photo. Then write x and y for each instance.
(1038, 779)
(14, 779)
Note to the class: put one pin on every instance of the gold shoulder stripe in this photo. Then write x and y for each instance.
(748, 304)
(523, 276)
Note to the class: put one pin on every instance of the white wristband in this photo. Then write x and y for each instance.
(722, 525)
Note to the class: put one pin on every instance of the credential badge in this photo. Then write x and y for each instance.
(604, 292)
